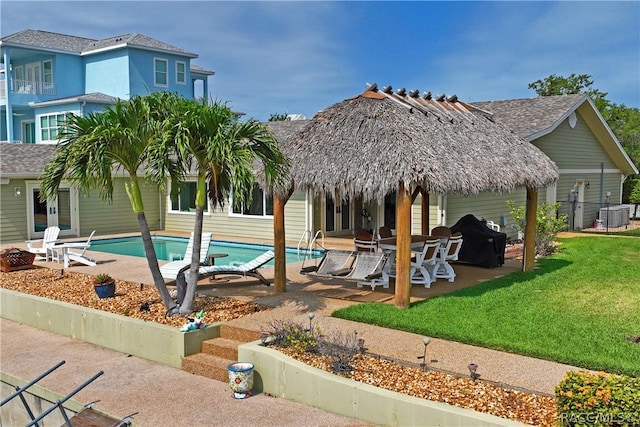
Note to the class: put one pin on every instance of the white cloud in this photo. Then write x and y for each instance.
(304, 56)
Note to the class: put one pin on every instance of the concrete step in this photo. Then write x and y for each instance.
(218, 353)
(207, 365)
(222, 347)
(238, 333)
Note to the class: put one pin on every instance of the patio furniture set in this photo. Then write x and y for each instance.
(372, 262)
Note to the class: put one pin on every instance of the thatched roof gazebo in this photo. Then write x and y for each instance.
(379, 142)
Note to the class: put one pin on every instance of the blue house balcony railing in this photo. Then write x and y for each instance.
(29, 87)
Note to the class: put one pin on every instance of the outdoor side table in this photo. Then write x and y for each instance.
(211, 260)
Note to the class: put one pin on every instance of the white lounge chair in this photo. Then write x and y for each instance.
(70, 256)
(367, 270)
(246, 269)
(42, 247)
(170, 270)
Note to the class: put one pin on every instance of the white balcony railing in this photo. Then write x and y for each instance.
(33, 88)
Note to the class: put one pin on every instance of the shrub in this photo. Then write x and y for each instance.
(548, 224)
(598, 399)
(293, 336)
(341, 348)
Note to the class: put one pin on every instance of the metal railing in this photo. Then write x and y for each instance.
(32, 87)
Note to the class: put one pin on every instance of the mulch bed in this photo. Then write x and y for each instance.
(130, 298)
(437, 386)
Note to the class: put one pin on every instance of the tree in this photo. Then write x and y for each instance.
(634, 196)
(623, 121)
(559, 85)
(209, 138)
(92, 147)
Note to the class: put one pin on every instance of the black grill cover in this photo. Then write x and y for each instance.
(480, 245)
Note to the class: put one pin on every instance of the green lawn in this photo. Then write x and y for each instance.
(578, 307)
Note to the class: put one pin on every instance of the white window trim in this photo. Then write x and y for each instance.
(43, 71)
(241, 215)
(15, 72)
(155, 72)
(39, 126)
(172, 211)
(184, 64)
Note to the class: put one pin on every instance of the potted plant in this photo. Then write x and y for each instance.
(104, 285)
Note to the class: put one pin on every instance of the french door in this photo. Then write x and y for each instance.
(32, 72)
(60, 211)
(337, 217)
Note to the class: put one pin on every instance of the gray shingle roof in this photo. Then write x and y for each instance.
(81, 45)
(25, 160)
(531, 116)
(93, 98)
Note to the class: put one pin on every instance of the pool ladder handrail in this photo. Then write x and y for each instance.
(313, 243)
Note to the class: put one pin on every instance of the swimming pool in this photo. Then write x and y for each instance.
(170, 248)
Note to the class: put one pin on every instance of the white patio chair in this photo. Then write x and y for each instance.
(424, 260)
(442, 269)
(71, 256)
(42, 247)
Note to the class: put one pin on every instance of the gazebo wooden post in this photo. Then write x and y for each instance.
(529, 256)
(279, 247)
(403, 247)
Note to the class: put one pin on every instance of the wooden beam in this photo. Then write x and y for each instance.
(529, 257)
(279, 247)
(403, 245)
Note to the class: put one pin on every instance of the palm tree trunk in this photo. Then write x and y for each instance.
(152, 260)
(186, 306)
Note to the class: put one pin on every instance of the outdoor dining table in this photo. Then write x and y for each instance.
(388, 245)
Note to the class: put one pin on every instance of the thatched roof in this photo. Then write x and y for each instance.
(369, 143)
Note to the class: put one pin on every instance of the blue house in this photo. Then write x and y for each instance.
(45, 76)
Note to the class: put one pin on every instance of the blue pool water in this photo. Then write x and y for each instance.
(169, 248)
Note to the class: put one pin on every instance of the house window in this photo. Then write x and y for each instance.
(185, 200)
(160, 69)
(261, 204)
(47, 72)
(51, 125)
(18, 79)
(181, 72)
(29, 132)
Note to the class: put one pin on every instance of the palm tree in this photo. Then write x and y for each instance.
(123, 137)
(209, 138)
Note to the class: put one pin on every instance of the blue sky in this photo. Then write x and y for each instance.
(301, 57)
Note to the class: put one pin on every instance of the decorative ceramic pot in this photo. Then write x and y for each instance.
(241, 379)
(106, 290)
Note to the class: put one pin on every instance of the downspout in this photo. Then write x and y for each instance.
(442, 209)
(601, 182)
